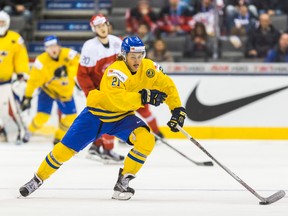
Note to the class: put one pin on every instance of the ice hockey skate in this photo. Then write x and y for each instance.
(111, 157)
(3, 135)
(30, 186)
(95, 153)
(122, 191)
(104, 156)
(26, 137)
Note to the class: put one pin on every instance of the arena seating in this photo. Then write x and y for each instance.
(69, 19)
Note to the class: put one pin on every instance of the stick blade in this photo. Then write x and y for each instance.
(208, 163)
(273, 198)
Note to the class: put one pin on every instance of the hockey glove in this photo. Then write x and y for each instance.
(61, 72)
(25, 103)
(178, 117)
(153, 97)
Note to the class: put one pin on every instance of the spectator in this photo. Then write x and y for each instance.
(3, 3)
(205, 13)
(232, 6)
(233, 9)
(21, 7)
(197, 43)
(262, 38)
(143, 13)
(146, 36)
(191, 4)
(280, 52)
(244, 21)
(271, 7)
(174, 19)
(159, 53)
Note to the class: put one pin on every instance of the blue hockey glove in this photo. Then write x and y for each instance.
(153, 97)
(177, 118)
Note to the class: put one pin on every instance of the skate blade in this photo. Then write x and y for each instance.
(122, 195)
(112, 162)
(94, 157)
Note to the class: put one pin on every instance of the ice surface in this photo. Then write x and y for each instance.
(167, 185)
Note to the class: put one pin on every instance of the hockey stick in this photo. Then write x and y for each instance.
(206, 163)
(263, 201)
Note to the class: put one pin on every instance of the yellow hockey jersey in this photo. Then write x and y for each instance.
(42, 75)
(118, 95)
(13, 56)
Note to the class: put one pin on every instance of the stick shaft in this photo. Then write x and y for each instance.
(221, 165)
(167, 144)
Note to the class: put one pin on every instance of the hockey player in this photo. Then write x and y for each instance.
(13, 59)
(53, 72)
(90, 71)
(96, 55)
(128, 84)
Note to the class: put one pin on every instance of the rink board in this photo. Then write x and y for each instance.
(258, 106)
(261, 118)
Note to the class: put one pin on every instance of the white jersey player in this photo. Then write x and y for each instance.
(96, 55)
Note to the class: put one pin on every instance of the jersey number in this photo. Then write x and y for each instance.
(115, 81)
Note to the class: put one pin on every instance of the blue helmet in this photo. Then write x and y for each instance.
(132, 44)
(51, 40)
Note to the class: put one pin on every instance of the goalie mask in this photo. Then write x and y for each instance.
(132, 44)
(4, 22)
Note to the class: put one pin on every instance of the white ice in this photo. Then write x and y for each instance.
(168, 184)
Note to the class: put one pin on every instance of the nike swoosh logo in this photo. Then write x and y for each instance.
(197, 111)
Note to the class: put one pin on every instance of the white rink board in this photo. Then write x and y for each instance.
(271, 111)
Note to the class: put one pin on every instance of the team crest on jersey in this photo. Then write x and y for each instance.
(150, 73)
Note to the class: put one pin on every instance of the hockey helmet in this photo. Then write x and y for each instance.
(6, 18)
(51, 40)
(97, 19)
(132, 44)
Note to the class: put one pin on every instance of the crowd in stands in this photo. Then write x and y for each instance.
(246, 24)
(23, 8)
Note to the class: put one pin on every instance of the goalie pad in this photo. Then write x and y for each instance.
(17, 93)
(18, 90)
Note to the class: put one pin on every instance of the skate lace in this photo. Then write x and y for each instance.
(32, 186)
(125, 182)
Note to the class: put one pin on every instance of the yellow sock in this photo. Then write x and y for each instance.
(144, 143)
(54, 160)
(38, 121)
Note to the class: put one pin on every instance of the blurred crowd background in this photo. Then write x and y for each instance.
(173, 30)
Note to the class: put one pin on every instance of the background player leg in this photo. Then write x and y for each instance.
(106, 154)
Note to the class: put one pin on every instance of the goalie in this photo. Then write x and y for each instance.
(13, 59)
